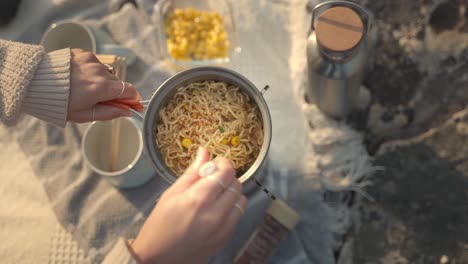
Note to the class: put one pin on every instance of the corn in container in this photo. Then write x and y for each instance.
(197, 33)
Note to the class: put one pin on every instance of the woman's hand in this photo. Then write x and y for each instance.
(195, 217)
(91, 83)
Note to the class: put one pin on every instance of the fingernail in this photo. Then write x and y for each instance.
(200, 151)
(207, 169)
(238, 206)
(199, 155)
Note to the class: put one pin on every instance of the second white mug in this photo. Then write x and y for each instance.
(133, 167)
(78, 35)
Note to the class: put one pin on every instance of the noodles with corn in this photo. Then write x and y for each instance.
(212, 114)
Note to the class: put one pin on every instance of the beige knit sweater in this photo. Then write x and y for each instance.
(33, 82)
(38, 84)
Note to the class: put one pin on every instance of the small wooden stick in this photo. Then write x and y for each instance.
(119, 66)
(114, 147)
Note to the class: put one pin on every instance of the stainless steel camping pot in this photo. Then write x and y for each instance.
(166, 92)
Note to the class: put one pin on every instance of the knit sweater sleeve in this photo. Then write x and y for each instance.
(33, 82)
(120, 254)
(18, 63)
(48, 92)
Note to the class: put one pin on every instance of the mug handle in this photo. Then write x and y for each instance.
(118, 50)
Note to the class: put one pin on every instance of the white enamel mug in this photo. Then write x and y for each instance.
(78, 35)
(133, 167)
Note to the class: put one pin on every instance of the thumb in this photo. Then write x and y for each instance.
(191, 175)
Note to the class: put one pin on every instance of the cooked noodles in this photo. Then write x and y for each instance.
(212, 114)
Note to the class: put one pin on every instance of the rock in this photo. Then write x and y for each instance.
(393, 257)
(445, 16)
(364, 98)
(421, 34)
(412, 62)
(400, 120)
(8, 11)
(418, 81)
(414, 205)
(462, 129)
(421, 198)
(389, 188)
(383, 121)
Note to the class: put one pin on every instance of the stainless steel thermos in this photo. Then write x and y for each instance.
(338, 48)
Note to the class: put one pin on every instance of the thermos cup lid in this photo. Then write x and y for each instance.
(339, 29)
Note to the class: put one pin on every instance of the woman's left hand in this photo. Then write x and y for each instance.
(92, 83)
(195, 217)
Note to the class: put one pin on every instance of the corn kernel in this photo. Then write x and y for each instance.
(224, 141)
(178, 12)
(235, 141)
(192, 37)
(186, 142)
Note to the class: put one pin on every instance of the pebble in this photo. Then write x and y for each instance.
(445, 16)
(364, 98)
(462, 129)
(382, 120)
(389, 188)
(415, 45)
(444, 259)
(400, 120)
(403, 41)
(414, 205)
(397, 34)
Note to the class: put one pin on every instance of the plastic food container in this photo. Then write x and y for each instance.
(223, 7)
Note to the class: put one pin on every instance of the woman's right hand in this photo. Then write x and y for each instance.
(92, 83)
(195, 217)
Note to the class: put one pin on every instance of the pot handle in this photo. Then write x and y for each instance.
(263, 91)
(138, 114)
